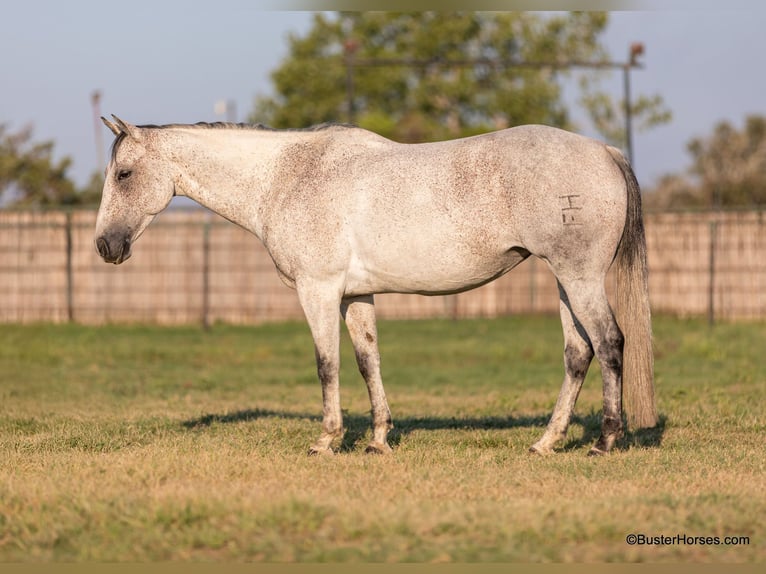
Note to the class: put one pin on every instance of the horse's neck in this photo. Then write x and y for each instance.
(228, 171)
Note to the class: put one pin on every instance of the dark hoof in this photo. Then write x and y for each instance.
(314, 451)
(377, 448)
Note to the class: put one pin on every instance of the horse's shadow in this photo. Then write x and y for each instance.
(639, 438)
(357, 426)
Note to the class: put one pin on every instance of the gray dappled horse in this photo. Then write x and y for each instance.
(345, 213)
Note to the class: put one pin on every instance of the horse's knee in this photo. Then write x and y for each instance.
(577, 360)
(615, 338)
(327, 369)
(368, 363)
(610, 351)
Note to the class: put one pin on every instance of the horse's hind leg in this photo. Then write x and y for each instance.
(578, 354)
(359, 314)
(590, 309)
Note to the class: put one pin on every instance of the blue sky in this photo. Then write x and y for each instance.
(171, 62)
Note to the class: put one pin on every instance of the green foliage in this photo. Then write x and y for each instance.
(608, 115)
(91, 193)
(30, 177)
(728, 170)
(424, 97)
(433, 100)
(29, 173)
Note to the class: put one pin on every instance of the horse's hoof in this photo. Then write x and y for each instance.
(596, 452)
(378, 448)
(317, 451)
(542, 451)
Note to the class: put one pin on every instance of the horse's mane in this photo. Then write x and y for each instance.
(232, 126)
(246, 126)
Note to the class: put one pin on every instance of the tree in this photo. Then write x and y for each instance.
(437, 100)
(29, 176)
(608, 116)
(728, 170)
(90, 195)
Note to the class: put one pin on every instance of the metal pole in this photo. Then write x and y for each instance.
(350, 47)
(69, 269)
(532, 284)
(350, 93)
(451, 306)
(206, 274)
(636, 50)
(95, 100)
(711, 273)
(628, 118)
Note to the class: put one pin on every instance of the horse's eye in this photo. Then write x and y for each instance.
(124, 174)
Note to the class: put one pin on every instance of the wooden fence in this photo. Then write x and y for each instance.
(194, 267)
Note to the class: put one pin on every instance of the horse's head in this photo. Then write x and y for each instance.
(138, 184)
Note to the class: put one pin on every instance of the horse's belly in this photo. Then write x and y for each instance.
(435, 273)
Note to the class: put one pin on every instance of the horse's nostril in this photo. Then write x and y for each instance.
(102, 247)
(113, 251)
(124, 252)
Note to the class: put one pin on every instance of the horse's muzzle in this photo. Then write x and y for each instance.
(113, 250)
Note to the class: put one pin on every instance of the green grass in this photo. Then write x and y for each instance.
(135, 443)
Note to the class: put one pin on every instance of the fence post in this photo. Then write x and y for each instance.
(451, 306)
(69, 270)
(711, 272)
(206, 273)
(532, 284)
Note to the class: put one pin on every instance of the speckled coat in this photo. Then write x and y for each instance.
(346, 214)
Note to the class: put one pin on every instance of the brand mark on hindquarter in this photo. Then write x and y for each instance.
(570, 209)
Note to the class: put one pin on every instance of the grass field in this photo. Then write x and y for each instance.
(131, 443)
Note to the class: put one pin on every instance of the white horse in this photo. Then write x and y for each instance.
(345, 213)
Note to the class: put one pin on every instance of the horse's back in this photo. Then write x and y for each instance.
(495, 190)
(448, 216)
(452, 215)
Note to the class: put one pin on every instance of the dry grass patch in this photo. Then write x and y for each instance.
(156, 462)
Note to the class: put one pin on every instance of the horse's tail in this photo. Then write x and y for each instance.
(632, 309)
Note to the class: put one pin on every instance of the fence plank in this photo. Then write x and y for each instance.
(50, 271)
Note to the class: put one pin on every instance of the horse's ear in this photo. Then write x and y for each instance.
(113, 128)
(128, 129)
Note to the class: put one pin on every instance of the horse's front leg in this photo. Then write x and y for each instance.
(320, 305)
(359, 314)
